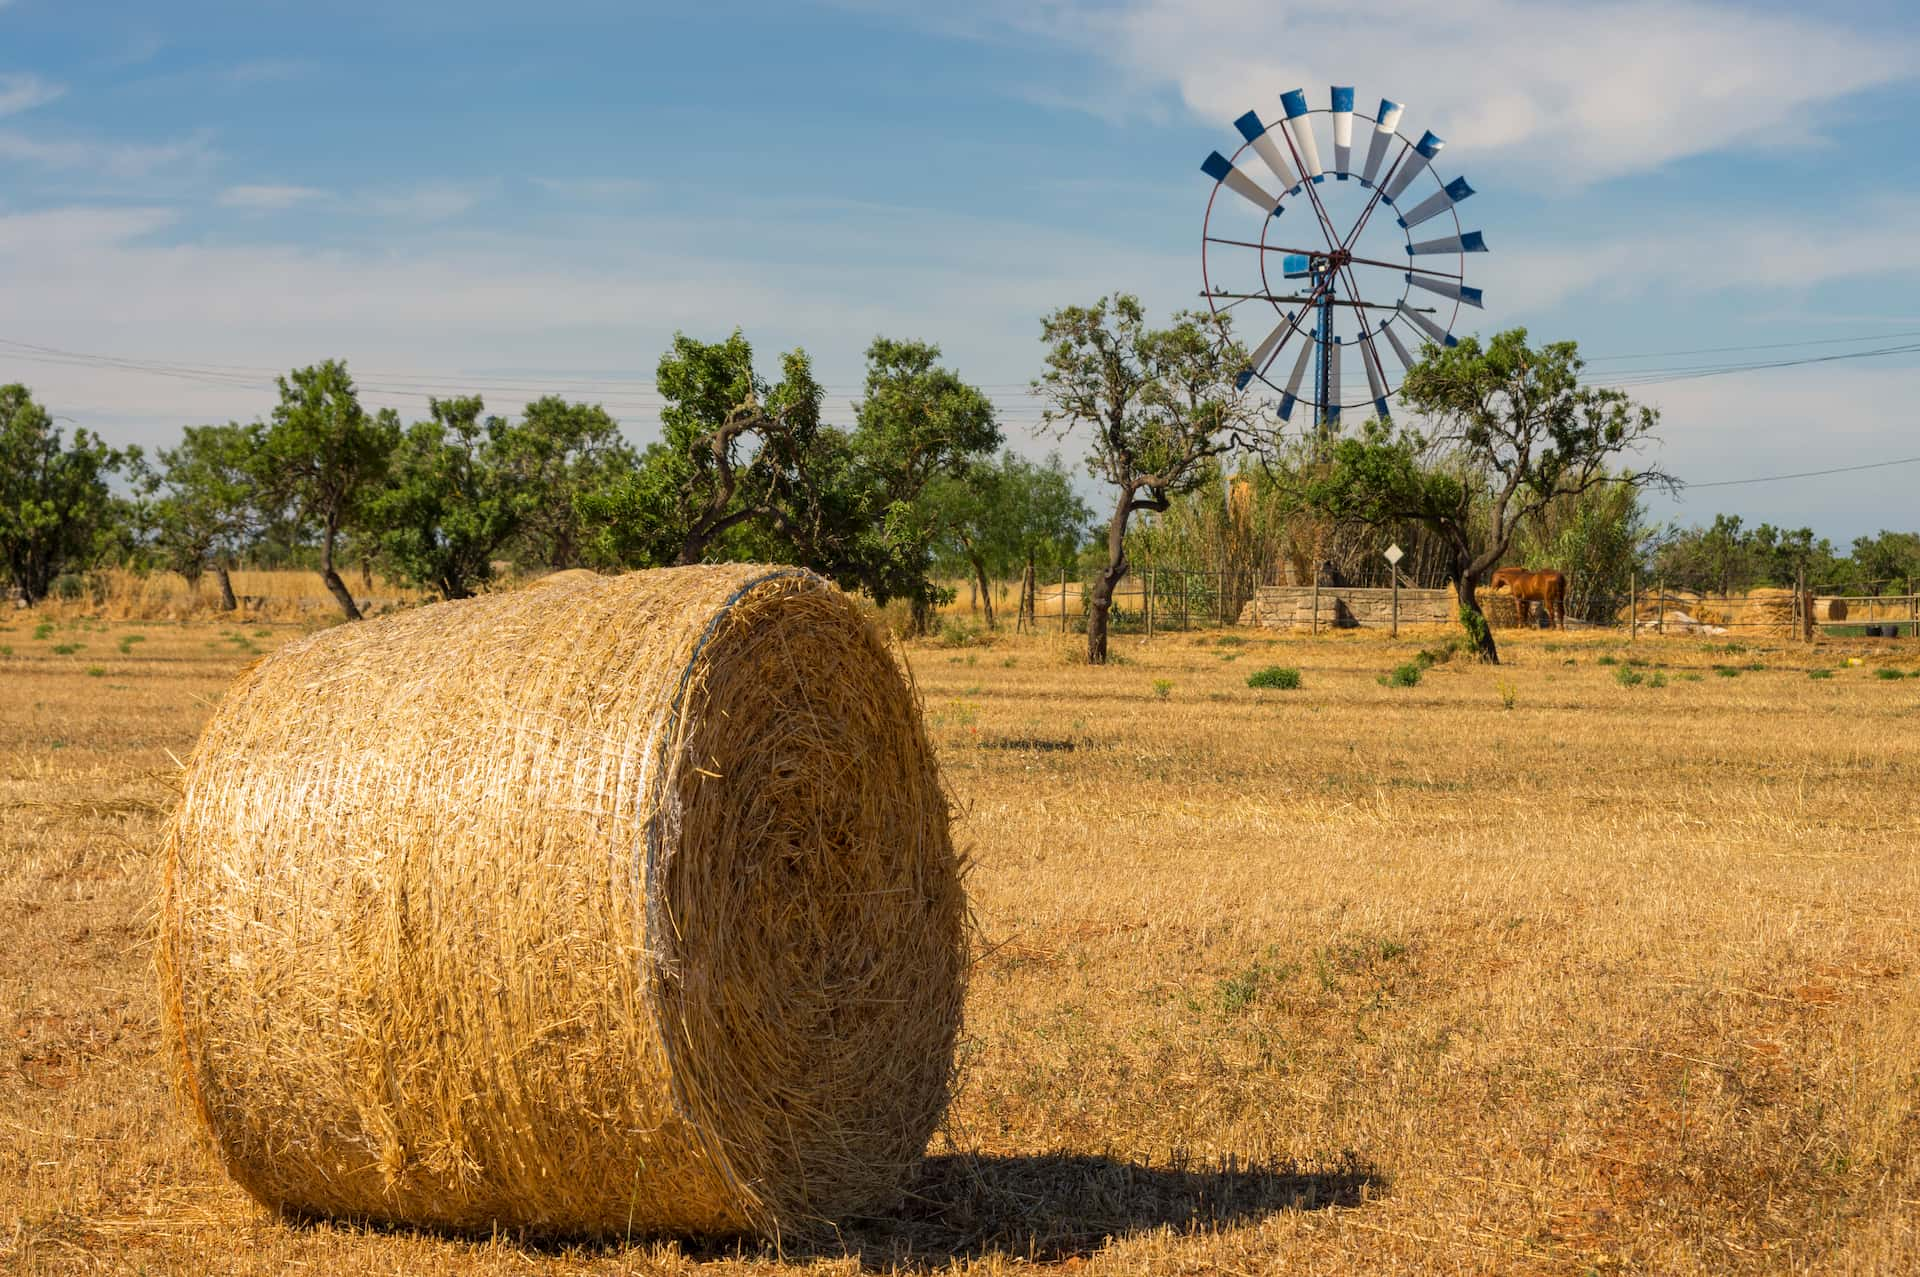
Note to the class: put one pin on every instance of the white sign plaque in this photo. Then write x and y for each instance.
(1394, 555)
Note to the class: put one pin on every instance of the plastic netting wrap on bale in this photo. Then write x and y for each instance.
(623, 905)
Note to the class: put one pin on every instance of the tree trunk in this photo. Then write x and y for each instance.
(986, 592)
(335, 586)
(1109, 578)
(1473, 620)
(227, 602)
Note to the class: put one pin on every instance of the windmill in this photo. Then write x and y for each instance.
(1340, 278)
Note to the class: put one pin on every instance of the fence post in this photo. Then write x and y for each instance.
(1186, 582)
(1316, 601)
(1396, 602)
(1148, 606)
(1063, 599)
(1660, 607)
(1633, 604)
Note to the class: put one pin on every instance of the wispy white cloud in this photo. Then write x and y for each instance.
(269, 198)
(122, 160)
(426, 201)
(599, 190)
(1571, 91)
(22, 91)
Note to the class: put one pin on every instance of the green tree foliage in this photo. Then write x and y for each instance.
(917, 423)
(559, 459)
(321, 458)
(1882, 564)
(736, 457)
(1727, 557)
(1510, 430)
(208, 514)
(57, 508)
(997, 516)
(1156, 405)
(450, 503)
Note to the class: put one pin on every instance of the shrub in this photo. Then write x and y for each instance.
(1163, 687)
(1886, 673)
(67, 649)
(1609, 659)
(1726, 671)
(1407, 675)
(1627, 676)
(1819, 673)
(1657, 679)
(1280, 676)
(1508, 695)
(96, 671)
(1229, 640)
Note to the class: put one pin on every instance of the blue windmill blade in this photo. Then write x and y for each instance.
(1300, 129)
(1296, 266)
(1330, 393)
(1376, 377)
(1437, 203)
(1448, 288)
(1342, 130)
(1291, 395)
(1264, 353)
(1221, 170)
(1267, 149)
(1464, 242)
(1399, 347)
(1435, 333)
(1412, 165)
(1383, 126)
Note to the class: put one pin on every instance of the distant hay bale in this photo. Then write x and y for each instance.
(1499, 606)
(1830, 609)
(1772, 612)
(566, 577)
(627, 905)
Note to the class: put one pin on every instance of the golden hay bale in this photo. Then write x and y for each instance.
(1830, 609)
(1499, 606)
(625, 905)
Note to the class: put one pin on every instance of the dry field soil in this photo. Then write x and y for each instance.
(1527, 969)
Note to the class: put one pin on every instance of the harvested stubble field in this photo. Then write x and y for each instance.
(1347, 978)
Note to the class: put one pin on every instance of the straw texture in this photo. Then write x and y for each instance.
(626, 905)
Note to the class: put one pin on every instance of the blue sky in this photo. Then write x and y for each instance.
(522, 198)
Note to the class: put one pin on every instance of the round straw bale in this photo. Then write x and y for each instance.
(1831, 609)
(622, 906)
(570, 576)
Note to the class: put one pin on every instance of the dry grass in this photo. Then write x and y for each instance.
(1347, 978)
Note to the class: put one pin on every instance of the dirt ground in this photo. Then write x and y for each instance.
(1517, 969)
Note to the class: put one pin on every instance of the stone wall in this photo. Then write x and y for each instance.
(1283, 607)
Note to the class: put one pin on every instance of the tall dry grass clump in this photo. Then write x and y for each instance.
(624, 905)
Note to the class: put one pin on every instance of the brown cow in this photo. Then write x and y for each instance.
(1546, 587)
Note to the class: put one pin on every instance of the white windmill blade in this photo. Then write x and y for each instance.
(1376, 382)
(1300, 128)
(1437, 203)
(1268, 150)
(1399, 347)
(1331, 408)
(1263, 353)
(1439, 335)
(1414, 164)
(1221, 170)
(1342, 130)
(1464, 242)
(1383, 126)
(1447, 288)
(1292, 394)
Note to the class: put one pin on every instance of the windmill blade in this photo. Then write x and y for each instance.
(1300, 127)
(1399, 347)
(1269, 150)
(1263, 353)
(1292, 395)
(1342, 130)
(1330, 410)
(1464, 242)
(1437, 203)
(1412, 166)
(1439, 335)
(1221, 170)
(1383, 126)
(1376, 380)
(1448, 288)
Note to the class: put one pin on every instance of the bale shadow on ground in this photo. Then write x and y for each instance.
(1052, 1207)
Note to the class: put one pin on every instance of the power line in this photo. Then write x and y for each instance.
(1805, 474)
